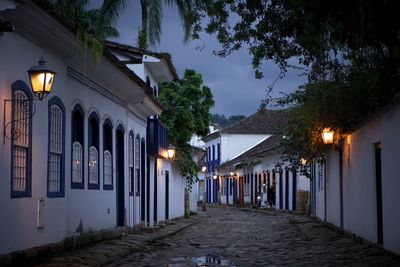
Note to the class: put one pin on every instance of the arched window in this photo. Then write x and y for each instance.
(137, 165)
(219, 151)
(77, 147)
(148, 81)
(131, 163)
(21, 146)
(93, 165)
(94, 181)
(77, 170)
(107, 168)
(107, 156)
(55, 168)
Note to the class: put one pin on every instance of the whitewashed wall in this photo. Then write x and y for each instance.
(232, 145)
(359, 190)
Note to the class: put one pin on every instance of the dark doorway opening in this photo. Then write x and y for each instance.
(378, 178)
(166, 195)
(120, 177)
(142, 178)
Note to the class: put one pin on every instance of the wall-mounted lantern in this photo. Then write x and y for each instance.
(303, 161)
(203, 168)
(215, 177)
(41, 79)
(231, 173)
(171, 151)
(327, 136)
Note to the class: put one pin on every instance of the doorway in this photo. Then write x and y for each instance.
(120, 189)
(166, 195)
(378, 181)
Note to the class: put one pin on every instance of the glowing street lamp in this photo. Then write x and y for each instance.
(41, 79)
(171, 151)
(327, 136)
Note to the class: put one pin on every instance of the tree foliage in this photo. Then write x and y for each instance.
(350, 51)
(187, 103)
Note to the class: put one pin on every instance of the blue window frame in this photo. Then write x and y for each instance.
(56, 148)
(21, 141)
(77, 148)
(108, 180)
(93, 152)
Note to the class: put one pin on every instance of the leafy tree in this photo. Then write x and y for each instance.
(350, 51)
(187, 103)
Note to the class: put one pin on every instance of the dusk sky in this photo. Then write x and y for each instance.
(231, 79)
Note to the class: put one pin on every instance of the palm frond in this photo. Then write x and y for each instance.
(108, 15)
(154, 22)
(185, 10)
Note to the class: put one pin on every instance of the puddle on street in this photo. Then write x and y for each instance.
(203, 261)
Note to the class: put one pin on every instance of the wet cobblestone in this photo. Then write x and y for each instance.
(241, 237)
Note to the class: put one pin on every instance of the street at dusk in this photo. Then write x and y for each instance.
(199, 133)
(232, 237)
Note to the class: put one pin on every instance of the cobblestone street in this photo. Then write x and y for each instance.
(232, 237)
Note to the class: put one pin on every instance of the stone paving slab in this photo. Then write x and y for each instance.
(225, 236)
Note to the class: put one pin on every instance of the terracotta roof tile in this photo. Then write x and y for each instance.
(270, 122)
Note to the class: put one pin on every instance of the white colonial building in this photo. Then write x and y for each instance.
(79, 160)
(242, 161)
(166, 195)
(356, 188)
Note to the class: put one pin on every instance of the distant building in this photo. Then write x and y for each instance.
(241, 161)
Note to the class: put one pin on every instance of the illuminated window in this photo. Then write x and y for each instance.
(77, 170)
(137, 164)
(77, 148)
(107, 156)
(94, 181)
(55, 182)
(21, 141)
(131, 163)
(93, 165)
